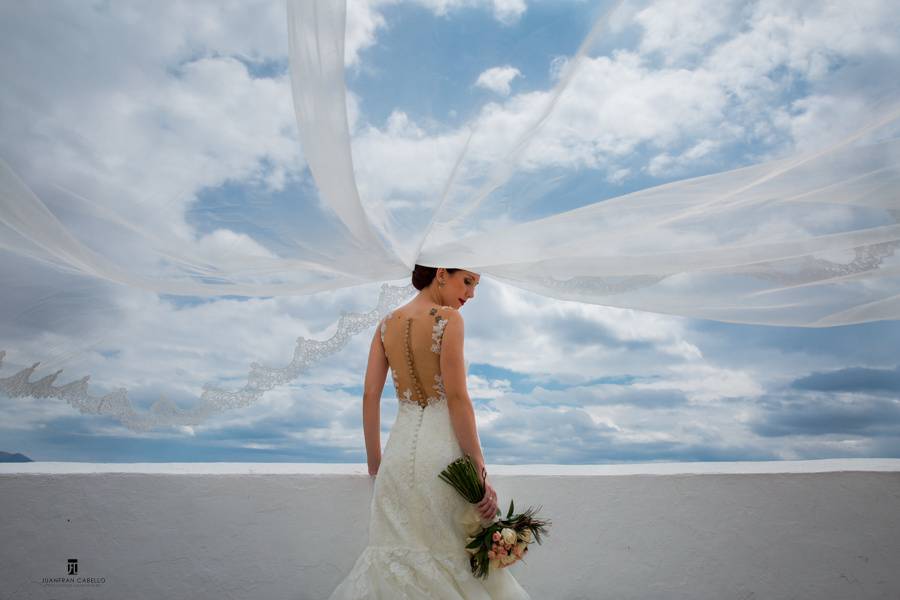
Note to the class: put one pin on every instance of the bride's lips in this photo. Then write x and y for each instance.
(461, 301)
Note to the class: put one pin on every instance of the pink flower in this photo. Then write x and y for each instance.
(496, 537)
(491, 554)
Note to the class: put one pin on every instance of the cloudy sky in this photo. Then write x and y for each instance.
(179, 116)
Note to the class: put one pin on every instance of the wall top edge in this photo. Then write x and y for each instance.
(546, 470)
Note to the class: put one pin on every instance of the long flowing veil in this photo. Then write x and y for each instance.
(581, 186)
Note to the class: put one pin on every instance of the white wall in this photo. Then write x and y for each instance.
(748, 531)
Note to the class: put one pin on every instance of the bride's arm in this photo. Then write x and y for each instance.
(376, 373)
(453, 374)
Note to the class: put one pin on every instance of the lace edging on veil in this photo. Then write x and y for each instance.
(164, 412)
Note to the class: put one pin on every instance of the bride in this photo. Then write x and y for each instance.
(417, 534)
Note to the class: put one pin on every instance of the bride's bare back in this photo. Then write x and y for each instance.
(412, 336)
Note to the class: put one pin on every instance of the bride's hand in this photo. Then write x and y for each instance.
(487, 508)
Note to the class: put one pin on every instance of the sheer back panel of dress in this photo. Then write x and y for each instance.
(412, 344)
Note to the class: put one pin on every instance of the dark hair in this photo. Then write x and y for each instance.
(423, 276)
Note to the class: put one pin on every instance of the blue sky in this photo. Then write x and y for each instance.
(699, 89)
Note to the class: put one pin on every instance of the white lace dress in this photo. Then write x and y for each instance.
(416, 546)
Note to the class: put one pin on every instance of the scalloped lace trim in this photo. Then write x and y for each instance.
(213, 400)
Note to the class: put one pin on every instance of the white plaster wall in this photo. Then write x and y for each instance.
(749, 531)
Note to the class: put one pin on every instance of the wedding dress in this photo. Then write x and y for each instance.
(416, 547)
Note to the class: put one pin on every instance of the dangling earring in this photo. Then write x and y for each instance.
(438, 300)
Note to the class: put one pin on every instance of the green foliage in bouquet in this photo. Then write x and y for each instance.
(462, 475)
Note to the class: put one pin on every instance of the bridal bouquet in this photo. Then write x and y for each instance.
(503, 541)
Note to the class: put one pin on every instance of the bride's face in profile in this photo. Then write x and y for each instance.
(459, 287)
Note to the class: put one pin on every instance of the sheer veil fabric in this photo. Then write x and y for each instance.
(808, 238)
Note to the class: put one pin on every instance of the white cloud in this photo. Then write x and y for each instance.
(641, 389)
(666, 164)
(153, 107)
(224, 243)
(509, 11)
(528, 333)
(365, 18)
(363, 22)
(497, 79)
(804, 119)
(176, 109)
(725, 78)
(506, 12)
(704, 383)
(681, 30)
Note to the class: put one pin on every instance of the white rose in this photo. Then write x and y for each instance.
(525, 535)
(508, 559)
(521, 546)
(509, 535)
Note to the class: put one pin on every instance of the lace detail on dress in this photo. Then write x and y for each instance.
(438, 333)
(439, 387)
(414, 572)
(406, 396)
(384, 324)
(411, 390)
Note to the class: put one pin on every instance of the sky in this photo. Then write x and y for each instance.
(179, 116)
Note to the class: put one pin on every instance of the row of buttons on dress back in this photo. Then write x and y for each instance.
(422, 401)
(415, 445)
(412, 369)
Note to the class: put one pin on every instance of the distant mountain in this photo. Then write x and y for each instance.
(7, 457)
